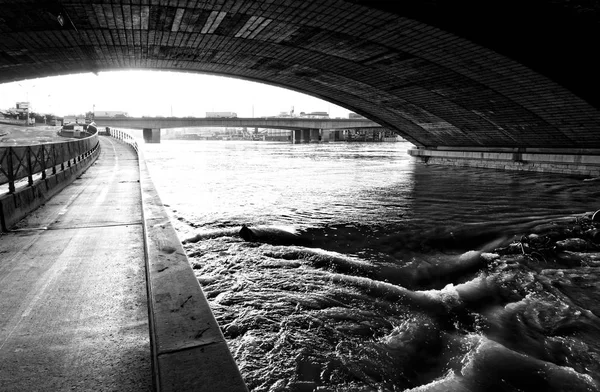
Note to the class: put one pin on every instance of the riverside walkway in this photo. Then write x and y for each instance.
(73, 296)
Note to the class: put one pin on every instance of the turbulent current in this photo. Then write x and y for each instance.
(373, 272)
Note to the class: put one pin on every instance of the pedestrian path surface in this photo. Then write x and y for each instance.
(73, 301)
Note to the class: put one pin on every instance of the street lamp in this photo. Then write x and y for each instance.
(26, 91)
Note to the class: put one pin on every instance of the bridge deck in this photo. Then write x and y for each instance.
(73, 303)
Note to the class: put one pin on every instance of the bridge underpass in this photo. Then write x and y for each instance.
(499, 81)
(475, 79)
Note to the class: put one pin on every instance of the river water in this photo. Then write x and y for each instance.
(393, 284)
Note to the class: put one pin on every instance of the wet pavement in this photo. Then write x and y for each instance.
(73, 302)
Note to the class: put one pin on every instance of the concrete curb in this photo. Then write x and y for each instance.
(15, 206)
(189, 352)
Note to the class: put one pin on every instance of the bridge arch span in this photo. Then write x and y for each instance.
(458, 74)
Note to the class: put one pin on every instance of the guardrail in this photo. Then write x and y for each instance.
(125, 137)
(18, 162)
(47, 168)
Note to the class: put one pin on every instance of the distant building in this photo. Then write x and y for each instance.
(21, 111)
(73, 119)
(314, 115)
(221, 114)
(109, 113)
(355, 116)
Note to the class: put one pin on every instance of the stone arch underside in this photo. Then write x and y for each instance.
(453, 75)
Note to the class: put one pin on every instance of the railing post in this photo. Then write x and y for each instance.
(29, 168)
(11, 174)
(53, 148)
(43, 162)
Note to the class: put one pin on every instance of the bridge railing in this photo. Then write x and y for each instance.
(19, 162)
(124, 136)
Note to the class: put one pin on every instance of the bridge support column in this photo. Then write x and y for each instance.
(152, 135)
(326, 135)
(296, 136)
(550, 160)
(314, 136)
(306, 136)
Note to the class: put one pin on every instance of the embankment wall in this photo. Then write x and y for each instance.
(189, 352)
(571, 162)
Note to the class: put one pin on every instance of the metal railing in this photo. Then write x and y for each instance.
(19, 162)
(125, 137)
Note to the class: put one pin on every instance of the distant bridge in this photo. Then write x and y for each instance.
(152, 126)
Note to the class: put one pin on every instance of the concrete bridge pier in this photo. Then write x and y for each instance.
(152, 135)
(301, 136)
(314, 135)
(296, 136)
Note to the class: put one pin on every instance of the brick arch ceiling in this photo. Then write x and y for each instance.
(441, 73)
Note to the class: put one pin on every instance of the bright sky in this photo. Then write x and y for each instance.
(158, 93)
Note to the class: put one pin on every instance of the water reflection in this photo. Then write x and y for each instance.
(398, 287)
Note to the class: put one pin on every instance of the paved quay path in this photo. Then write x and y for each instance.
(73, 301)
